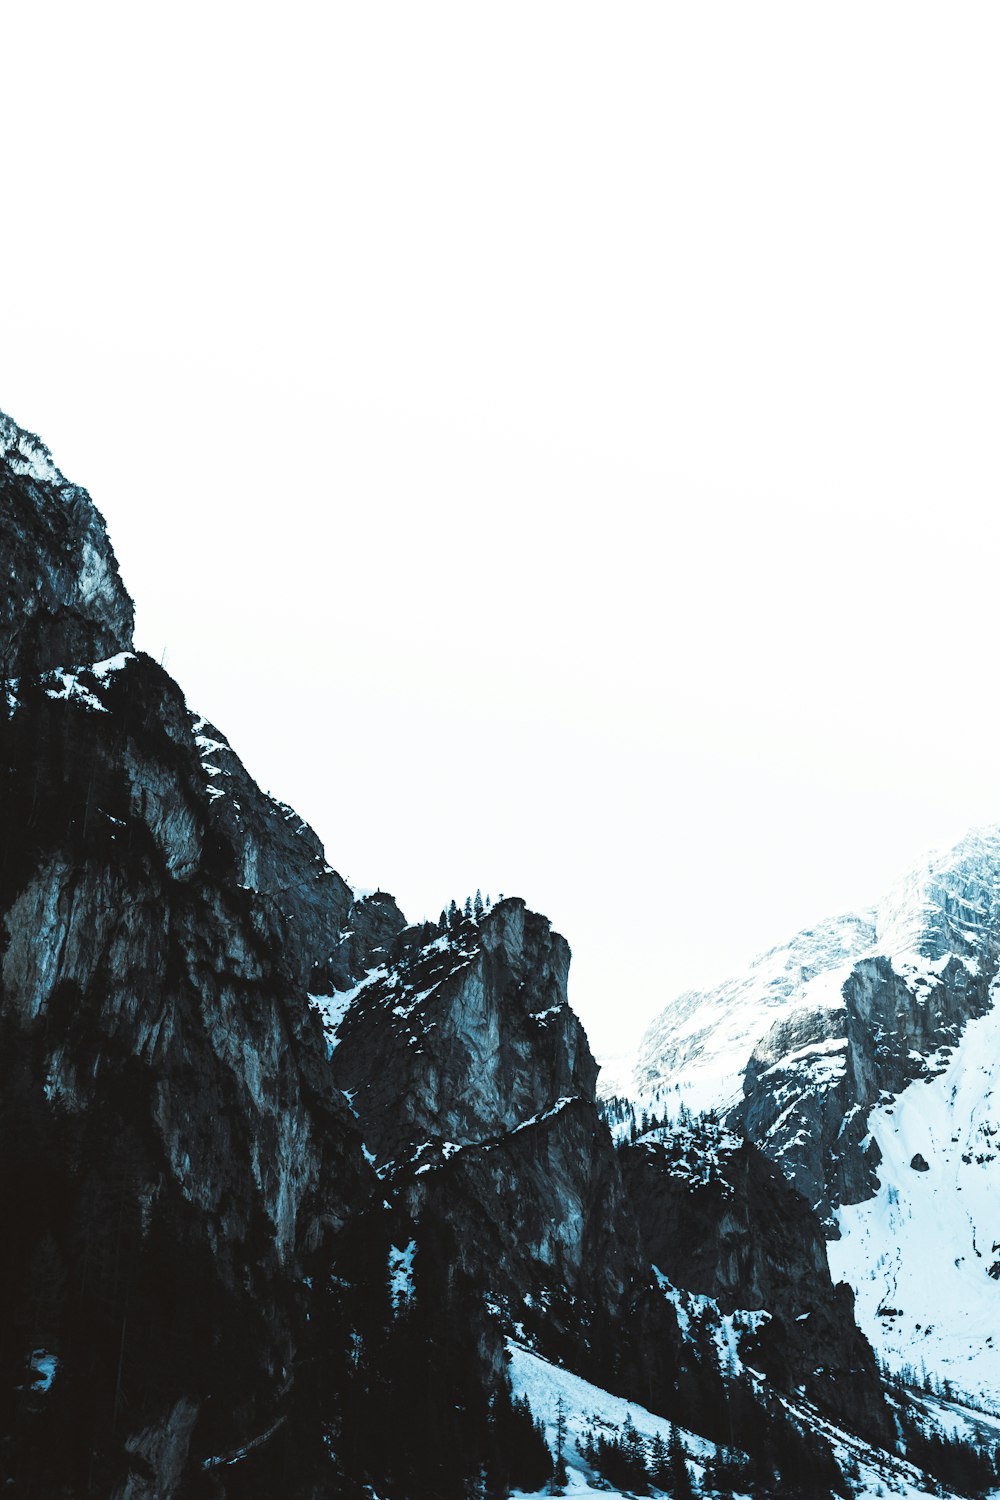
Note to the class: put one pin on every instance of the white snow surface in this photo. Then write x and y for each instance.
(64, 684)
(587, 1407)
(726, 1329)
(67, 686)
(919, 1254)
(333, 1008)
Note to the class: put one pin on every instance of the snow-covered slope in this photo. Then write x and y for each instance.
(700, 1044)
(923, 1255)
(863, 1057)
(698, 1047)
(585, 1407)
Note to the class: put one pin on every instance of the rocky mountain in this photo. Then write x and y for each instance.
(304, 1199)
(862, 1050)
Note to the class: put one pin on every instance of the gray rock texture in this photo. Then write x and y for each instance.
(812, 1081)
(156, 942)
(62, 599)
(719, 1219)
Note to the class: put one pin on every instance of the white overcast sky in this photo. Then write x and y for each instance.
(557, 443)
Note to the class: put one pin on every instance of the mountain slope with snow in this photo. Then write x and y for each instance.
(923, 1255)
(700, 1044)
(865, 1053)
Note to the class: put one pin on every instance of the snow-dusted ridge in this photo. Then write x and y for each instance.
(948, 904)
(703, 1039)
(26, 454)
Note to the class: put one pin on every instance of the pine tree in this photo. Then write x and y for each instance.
(559, 1476)
(680, 1476)
(659, 1469)
(634, 1450)
(477, 905)
(467, 909)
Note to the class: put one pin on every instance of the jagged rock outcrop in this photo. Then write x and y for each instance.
(474, 1087)
(473, 1084)
(720, 1220)
(813, 1080)
(701, 1041)
(862, 1070)
(62, 599)
(798, 1050)
(462, 1035)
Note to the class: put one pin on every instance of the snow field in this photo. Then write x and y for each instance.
(923, 1255)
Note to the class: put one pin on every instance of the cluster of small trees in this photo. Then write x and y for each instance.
(964, 1466)
(471, 910)
(620, 1111)
(631, 1462)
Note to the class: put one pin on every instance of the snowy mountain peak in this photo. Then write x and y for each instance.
(702, 1040)
(949, 903)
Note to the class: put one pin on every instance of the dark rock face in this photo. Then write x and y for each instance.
(279, 857)
(473, 1084)
(62, 600)
(494, 1147)
(813, 1080)
(146, 990)
(718, 1219)
(462, 1036)
(176, 1155)
(373, 922)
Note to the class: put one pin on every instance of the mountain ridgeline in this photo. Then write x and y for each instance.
(303, 1199)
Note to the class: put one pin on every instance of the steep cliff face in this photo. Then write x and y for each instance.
(166, 1096)
(462, 1035)
(719, 1220)
(812, 1081)
(496, 1134)
(62, 598)
(473, 1084)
